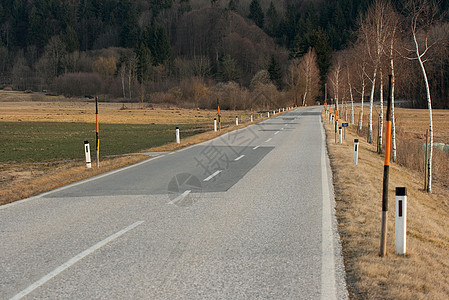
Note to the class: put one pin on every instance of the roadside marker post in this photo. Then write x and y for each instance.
(268, 114)
(219, 117)
(356, 152)
(340, 135)
(383, 233)
(400, 244)
(336, 130)
(87, 153)
(236, 121)
(97, 133)
(178, 137)
(252, 115)
(215, 124)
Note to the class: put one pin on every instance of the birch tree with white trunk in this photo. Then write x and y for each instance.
(374, 32)
(422, 16)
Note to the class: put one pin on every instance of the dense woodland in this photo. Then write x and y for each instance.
(197, 52)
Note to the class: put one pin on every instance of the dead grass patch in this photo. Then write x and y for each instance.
(423, 273)
(21, 181)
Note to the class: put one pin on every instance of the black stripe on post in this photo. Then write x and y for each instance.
(385, 189)
(401, 191)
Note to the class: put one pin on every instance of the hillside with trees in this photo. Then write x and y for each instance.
(195, 52)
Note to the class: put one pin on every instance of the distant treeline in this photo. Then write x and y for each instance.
(132, 48)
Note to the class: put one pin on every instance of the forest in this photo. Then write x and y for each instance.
(243, 53)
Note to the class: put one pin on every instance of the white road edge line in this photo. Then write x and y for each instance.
(73, 261)
(328, 285)
(180, 197)
(276, 132)
(257, 147)
(239, 158)
(213, 175)
(268, 140)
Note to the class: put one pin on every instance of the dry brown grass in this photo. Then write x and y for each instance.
(17, 107)
(411, 126)
(424, 272)
(21, 181)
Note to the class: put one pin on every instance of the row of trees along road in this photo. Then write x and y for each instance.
(408, 40)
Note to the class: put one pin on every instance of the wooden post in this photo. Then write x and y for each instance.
(383, 234)
(426, 151)
(219, 118)
(97, 134)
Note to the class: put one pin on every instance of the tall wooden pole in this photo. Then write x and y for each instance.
(383, 233)
(97, 144)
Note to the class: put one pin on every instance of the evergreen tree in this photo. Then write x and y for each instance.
(159, 45)
(275, 72)
(70, 40)
(272, 19)
(227, 69)
(232, 5)
(256, 13)
(144, 62)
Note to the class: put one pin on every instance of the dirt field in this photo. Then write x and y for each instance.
(18, 107)
(424, 272)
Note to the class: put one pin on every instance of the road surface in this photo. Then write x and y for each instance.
(248, 215)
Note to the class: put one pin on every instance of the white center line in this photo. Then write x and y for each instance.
(213, 175)
(255, 148)
(276, 132)
(73, 261)
(268, 140)
(180, 197)
(239, 158)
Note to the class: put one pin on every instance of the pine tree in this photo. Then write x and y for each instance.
(275, 72)
(232, 5)
(272, 23)
(256, 13)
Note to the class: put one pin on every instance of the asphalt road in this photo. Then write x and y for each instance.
(248, 215)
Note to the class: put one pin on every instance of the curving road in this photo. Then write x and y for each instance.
(247, 215)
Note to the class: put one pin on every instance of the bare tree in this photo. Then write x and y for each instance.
(394, 23)
(293, 80)
(335, 79)
(422, 17)
(360, 64)
(308, 68)
(131, 66)
(374, 32)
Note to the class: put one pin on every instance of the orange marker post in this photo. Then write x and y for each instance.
(383, 233)
(219, 118)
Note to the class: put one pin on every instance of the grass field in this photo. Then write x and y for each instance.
(54, 141)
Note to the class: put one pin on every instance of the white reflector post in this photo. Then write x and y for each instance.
(268, 114)
(340, 135)
(178, 138)
(400, 244)
(252, 118)
(215, 124)
(237, 121)
(356, 152)
(87, 153)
